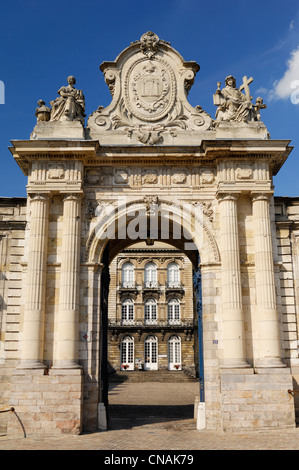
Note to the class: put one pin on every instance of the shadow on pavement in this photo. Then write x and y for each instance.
(129, 416)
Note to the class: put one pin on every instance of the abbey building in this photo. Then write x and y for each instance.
(150, 239)
(151, 315)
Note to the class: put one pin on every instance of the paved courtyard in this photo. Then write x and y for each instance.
(157, 416)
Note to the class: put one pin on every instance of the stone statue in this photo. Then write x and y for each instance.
(232, 104)
(256, 108)
(70, 105)
(42, 112)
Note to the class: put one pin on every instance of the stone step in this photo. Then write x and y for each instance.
(151, 376)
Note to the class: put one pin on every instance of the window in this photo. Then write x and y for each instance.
(128, 275)
(173, 311)
(151, 353)
(127, 311)
(150, 275)
(150, 311)
(174, 353)
(127, 353)
(173, 275)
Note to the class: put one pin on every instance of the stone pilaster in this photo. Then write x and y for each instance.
(234, 354)
(266, 321)
(34, 315)
(68, 322)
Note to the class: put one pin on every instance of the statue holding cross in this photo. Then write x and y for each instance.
(233, 105)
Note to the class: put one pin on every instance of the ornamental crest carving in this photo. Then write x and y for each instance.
(150, 89)
(149, 83)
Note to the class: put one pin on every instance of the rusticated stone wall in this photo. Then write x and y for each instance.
(46, 405)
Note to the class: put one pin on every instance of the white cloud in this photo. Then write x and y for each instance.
(262, 91)
(283, 88)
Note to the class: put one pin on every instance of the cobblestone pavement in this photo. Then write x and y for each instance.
(157, 416)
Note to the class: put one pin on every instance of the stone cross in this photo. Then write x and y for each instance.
(245, 87)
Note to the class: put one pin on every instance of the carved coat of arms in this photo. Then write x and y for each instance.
(149, 83)
(150, 89)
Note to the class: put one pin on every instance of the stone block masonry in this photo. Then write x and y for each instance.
(258, 400)
(46, 404)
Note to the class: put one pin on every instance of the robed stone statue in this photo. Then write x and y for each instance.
(70, 105)
(232, 104)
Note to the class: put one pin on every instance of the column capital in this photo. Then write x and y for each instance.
(38, 196)
(72, 196)
(261, 196)
(227, 195)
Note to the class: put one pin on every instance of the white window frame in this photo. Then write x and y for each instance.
(174, 353)
(174, 311)
(173, 275)
(127, 275)
(151, 353)
(127, 353)
(150, 311)
(150, 275)
(127, 311)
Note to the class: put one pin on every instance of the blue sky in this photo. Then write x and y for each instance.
(42, 42)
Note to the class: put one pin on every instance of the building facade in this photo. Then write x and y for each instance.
(151, 315)
(149, 168)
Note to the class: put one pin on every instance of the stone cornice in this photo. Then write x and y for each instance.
(92, 153)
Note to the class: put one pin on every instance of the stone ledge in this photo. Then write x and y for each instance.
(272, 370)
(54, 371)
(244, 371)
(58, 130)
(28, 371)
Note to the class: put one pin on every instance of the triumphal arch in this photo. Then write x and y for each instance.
(152, 167)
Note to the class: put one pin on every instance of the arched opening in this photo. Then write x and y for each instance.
(106, 250)
(127, 353)
(151, 353)
(174, 353)
(150, 275)
(128, 275)
(173, 275)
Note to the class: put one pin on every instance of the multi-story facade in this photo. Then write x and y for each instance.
(151, 318)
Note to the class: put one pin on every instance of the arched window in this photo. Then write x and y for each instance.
(174, 353)
(173, 275)
(127, 353)
(173, 311)
(150, 311)
(151, 353)
(128, 277)
(150, 275)
(127, 311)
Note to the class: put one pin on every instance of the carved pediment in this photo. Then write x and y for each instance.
(149, 83)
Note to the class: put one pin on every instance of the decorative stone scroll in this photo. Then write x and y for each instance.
(149, 83)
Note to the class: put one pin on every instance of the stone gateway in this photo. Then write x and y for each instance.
(150, 169)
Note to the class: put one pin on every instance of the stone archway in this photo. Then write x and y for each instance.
(159, 153)
(180, 233)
